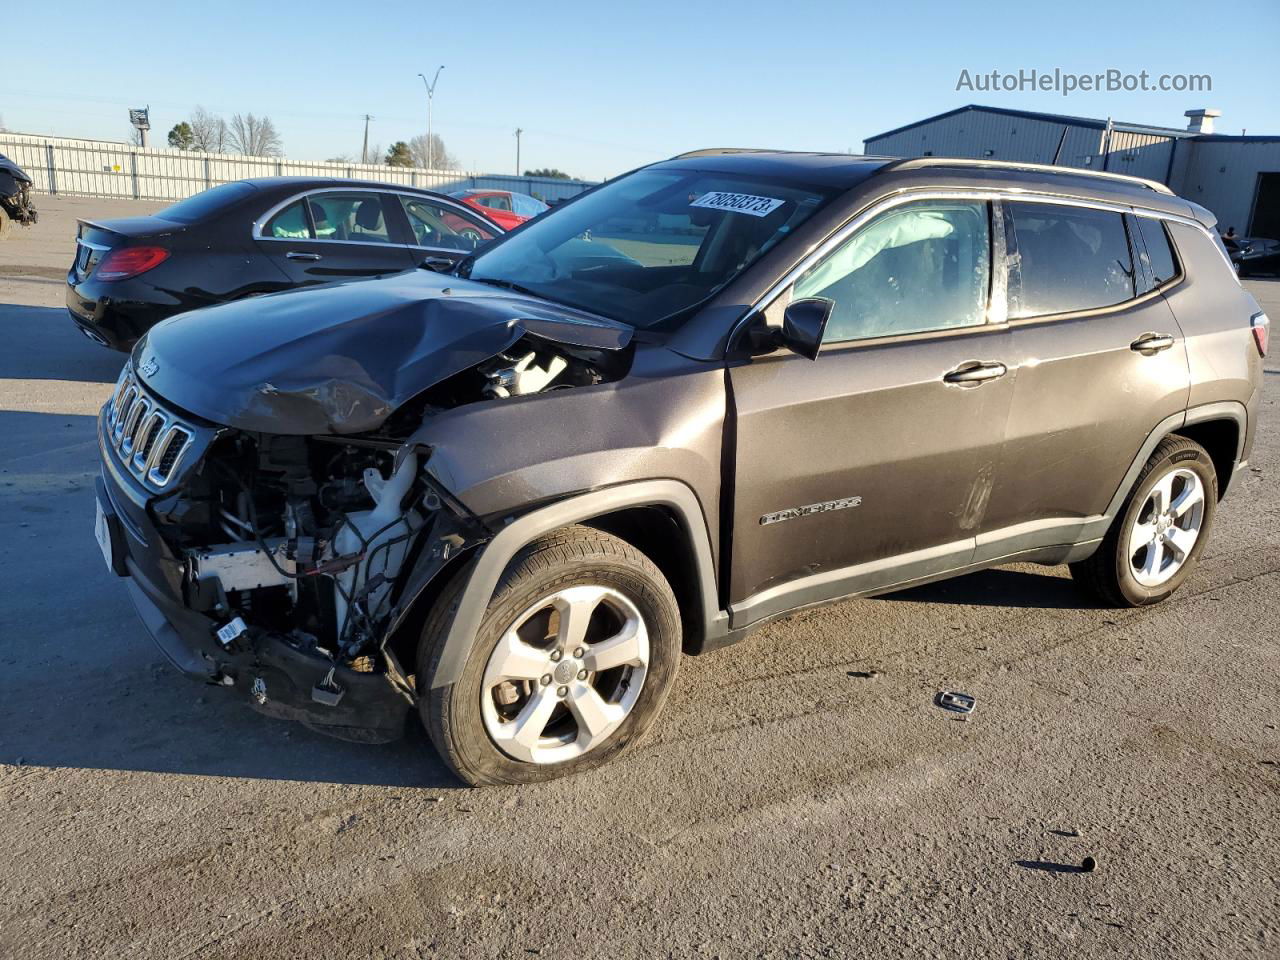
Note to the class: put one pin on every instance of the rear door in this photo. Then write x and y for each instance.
(1101, 361)
(873, 464)
(335, 235)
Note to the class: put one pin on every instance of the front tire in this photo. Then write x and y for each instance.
(1155, 541)
(573, 660)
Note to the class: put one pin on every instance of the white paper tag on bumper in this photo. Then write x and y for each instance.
(738, 203)
(230, 631)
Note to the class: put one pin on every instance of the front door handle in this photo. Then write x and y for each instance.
(1151, 343)
(295, 255)
(974, 372)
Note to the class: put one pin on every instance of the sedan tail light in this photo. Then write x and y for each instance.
(1261, 332)
(125, 262)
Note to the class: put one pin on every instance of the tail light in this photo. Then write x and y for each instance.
(1261, 332)
(125, 262)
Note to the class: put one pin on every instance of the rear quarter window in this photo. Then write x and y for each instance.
(1070, 259)
(1164, 265)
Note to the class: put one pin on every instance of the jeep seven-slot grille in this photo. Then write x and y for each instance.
(149, 439)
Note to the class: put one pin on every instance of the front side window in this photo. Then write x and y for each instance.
(443, 227)
(1159, 251)
(349, 217)
(1070, 259)
(918, 267)
(648, 247)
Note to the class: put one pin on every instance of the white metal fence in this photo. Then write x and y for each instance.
(100, 168)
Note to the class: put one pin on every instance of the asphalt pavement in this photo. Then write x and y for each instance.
(800, 796)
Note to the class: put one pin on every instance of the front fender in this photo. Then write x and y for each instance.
(492, 559)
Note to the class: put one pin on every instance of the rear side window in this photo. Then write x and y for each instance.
(1164, 266)
(349, 217)
(207, 202)
(1071, 259)
(289, 224)
(495, 201)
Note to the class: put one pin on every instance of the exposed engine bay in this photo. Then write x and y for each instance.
(15, 193)
(310, 540)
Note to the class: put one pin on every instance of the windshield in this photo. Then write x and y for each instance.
(647, 247)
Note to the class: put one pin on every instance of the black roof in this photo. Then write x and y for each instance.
(839, 170)
(272, 183)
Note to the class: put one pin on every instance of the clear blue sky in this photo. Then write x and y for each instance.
(603, 87)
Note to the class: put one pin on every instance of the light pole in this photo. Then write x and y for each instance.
(431, 93)
(518, 132)
(364, 150)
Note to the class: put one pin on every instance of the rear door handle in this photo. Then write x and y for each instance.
(974, 372)
(1151, 343)
(295, 255)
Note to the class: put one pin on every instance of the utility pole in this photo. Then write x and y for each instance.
(431, 93)
(364, 150)
(518, 132)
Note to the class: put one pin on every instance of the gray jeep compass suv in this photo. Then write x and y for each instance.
(696, 398)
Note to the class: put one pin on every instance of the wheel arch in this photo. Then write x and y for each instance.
(620, 510)
(1221, 438)
(1210, 420)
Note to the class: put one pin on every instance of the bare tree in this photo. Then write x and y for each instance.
(440, 157)
(3, 128)
(209, 132)
(254, 136)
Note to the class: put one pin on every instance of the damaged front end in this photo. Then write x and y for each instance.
(15, 193)
(283, 563)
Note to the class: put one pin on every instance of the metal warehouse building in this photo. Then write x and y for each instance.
(1237, 177)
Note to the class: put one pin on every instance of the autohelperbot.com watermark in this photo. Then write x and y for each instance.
(1067, 82)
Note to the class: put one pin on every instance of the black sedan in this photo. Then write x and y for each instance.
(252, 237)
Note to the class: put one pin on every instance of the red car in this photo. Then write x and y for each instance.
(505, 207)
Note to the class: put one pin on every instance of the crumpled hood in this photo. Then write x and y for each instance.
(15, 171)
(340, 358)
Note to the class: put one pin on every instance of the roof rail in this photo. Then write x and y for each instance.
(723, 151)
(917, 162)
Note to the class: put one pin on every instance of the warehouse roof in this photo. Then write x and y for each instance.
(1089, 122)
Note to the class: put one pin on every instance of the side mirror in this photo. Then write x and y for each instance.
(803, 324)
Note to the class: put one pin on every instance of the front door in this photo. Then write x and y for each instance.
(873, 464)
(442, 232)
(337, 235)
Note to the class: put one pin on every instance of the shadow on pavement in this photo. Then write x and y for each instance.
(1000, 588)
(42, 343)
(84, 686)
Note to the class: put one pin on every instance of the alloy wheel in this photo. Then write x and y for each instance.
(1167, 527)
(565, 675)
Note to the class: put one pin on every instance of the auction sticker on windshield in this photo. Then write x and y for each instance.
(738, 203)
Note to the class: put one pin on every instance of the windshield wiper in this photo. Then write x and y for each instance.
(508, 285)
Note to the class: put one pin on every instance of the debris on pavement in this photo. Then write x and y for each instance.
(954, 701)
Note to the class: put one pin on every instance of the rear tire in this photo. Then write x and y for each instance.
(604, 620)
(1155, 540)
